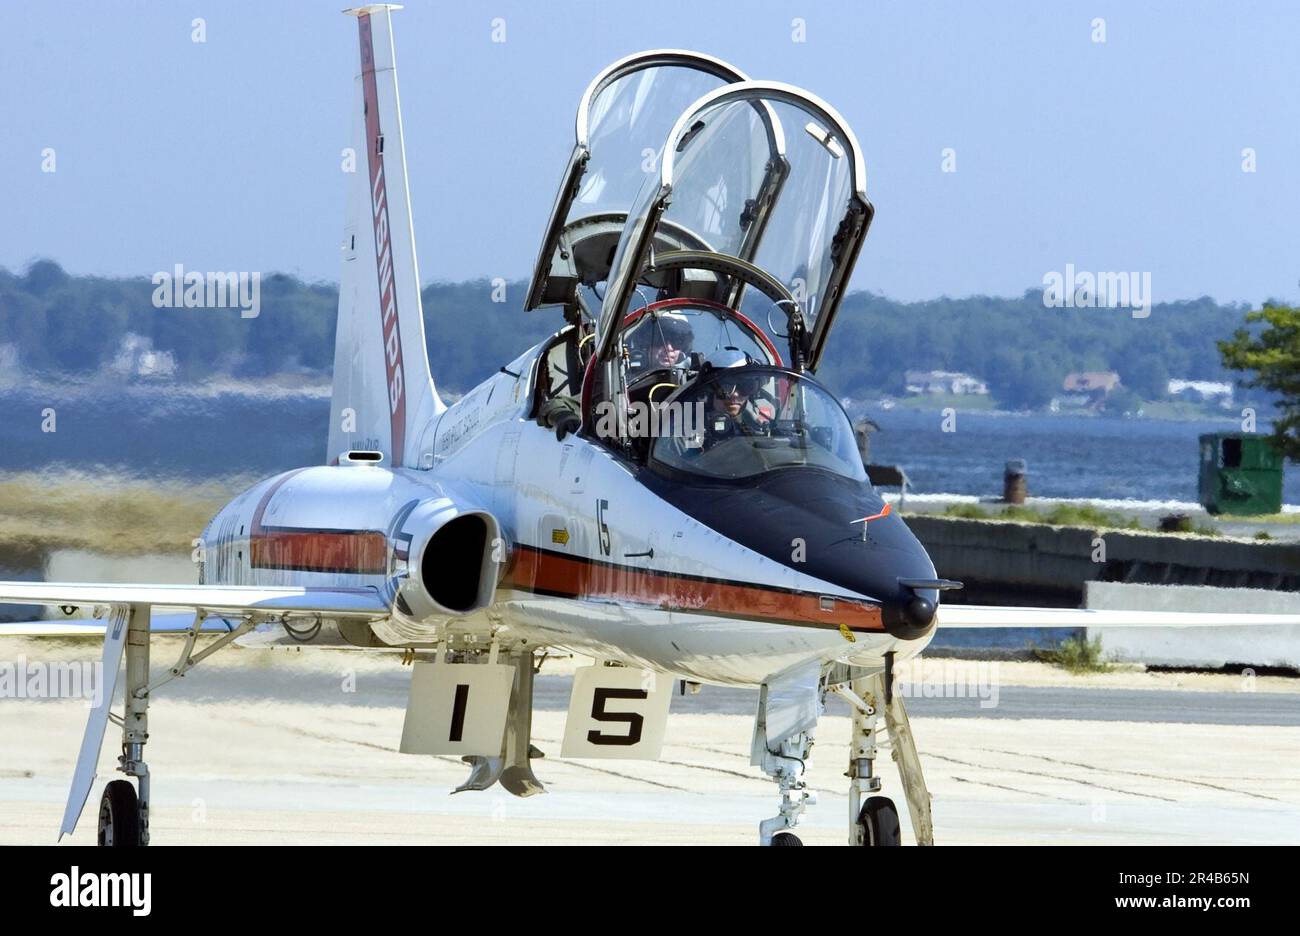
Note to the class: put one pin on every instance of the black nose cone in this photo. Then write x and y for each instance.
(849, 538)
(919, 612)
(910, 614)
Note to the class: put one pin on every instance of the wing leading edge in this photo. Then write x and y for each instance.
(215, 600)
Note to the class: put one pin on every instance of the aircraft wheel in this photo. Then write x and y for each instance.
(879, 821)
(119, 815)
(786, 838)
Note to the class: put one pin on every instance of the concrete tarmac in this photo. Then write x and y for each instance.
(986, 696)
(266, 747)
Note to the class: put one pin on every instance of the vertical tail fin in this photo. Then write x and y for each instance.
(384, 396)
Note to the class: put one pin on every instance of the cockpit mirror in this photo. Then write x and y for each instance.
(825, 138)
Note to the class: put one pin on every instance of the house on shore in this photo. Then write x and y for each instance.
(936, 383)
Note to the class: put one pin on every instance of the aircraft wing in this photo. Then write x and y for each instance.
(955, 615)
(216, 600)
(161, 622)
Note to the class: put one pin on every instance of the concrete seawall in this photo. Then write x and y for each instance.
(1212, 647)
(1031, 564)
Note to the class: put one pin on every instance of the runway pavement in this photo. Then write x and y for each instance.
(983, 698)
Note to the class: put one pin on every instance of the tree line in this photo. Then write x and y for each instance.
(1021, 348)
(63, 325)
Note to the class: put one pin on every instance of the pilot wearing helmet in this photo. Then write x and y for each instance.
(731, 407)
(663, 342)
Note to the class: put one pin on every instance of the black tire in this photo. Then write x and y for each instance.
(879, 821)
(119, 815)
(786, 839)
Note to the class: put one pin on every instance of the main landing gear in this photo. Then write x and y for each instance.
(124, 807)
(123, 812)
(878, 823)
(120, 815)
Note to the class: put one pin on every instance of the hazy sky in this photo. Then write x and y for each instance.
(224, 155)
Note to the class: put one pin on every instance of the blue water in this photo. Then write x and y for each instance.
(1067, 456)
(153, 432)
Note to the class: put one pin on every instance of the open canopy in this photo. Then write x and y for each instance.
(623, 119)
(759, 181)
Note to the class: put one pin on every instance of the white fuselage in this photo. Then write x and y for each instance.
(593, 561)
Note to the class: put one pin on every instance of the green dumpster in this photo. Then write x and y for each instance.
(1241, 473)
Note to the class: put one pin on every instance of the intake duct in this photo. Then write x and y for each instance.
(456, 558)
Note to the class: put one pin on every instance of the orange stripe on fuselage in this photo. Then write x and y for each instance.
(355, 552)
(552, 573)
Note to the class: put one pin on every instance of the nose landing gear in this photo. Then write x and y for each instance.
(782, 752)
(786, 765)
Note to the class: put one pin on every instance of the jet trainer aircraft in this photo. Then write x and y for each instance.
(662, 485)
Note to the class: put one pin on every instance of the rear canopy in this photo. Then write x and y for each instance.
(623, 119)
(759, 175)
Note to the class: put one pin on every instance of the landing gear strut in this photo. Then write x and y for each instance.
(786, 766)
(788, 710)
(119, 797)
(876, 821)
(513, 768)
(862, 761)
(123, 808)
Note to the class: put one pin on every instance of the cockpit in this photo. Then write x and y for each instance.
(666, 343)
(736, 422)
(703, 218)
(700, 245)
(667, 333)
